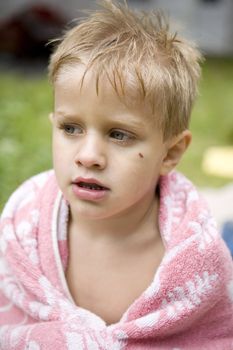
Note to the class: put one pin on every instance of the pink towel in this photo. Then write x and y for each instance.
(189, 304)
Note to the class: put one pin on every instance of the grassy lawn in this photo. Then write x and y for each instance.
(25, 102)
(212, 119)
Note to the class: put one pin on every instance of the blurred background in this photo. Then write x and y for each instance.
(26, 26)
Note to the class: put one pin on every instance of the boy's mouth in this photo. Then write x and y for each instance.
(91, 186)
(89, 189)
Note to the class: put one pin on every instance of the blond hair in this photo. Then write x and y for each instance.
(140, 57)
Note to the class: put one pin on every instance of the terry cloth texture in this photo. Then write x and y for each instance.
(188, 305)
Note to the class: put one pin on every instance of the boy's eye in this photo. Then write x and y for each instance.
(71, 129)
(120, 135)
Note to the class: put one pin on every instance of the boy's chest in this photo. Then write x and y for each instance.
(108, 283)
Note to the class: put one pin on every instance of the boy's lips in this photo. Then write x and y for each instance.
(88, 182)
(89, 189)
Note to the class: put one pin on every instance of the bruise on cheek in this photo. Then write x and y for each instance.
(141, 155)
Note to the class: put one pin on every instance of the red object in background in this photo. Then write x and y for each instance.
(26, 34)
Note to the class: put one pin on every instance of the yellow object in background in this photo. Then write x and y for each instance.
(218, 161)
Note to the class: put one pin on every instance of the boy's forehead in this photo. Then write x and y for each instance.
(125, 99)
(77, 82)
(89, 81)
(68, 72)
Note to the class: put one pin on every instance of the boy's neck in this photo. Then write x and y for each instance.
(122, 229)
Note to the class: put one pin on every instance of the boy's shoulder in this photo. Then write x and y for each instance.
(26, 192)
(180, 189)
(184, 212)
(36, 181)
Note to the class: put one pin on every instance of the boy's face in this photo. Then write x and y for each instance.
(107, 157)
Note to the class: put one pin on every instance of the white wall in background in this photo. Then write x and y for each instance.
(209, 24)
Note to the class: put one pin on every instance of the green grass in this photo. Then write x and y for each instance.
(26, 101)
(24, 129)
(212, 119)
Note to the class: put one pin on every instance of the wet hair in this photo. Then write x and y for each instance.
(139, 55)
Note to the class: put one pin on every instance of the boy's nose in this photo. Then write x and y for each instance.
(91, 152)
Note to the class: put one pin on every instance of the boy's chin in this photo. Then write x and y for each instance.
(88, 210)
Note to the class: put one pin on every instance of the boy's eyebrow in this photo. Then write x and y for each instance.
(117, 120)
(63, 115)
(134, 125)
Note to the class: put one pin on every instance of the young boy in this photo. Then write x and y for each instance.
(113, 249)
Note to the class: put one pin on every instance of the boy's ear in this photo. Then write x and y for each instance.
(176, 147)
